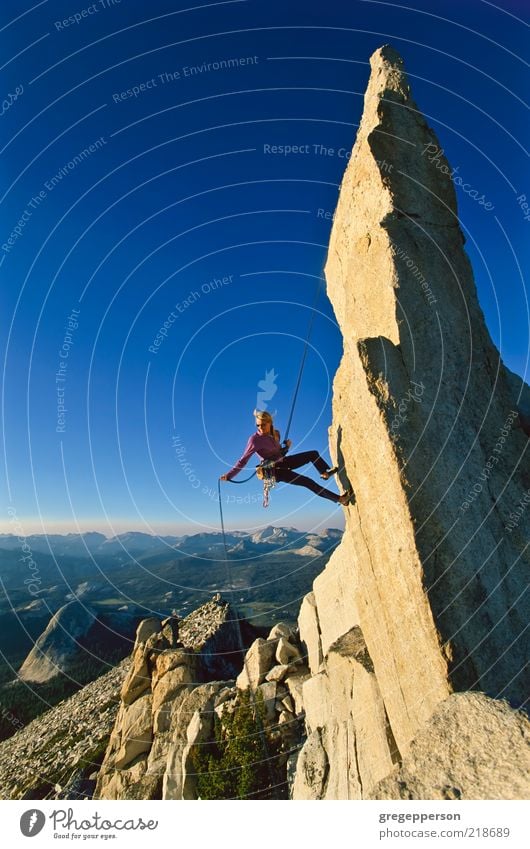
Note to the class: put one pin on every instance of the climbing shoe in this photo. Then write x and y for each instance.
(327, 474)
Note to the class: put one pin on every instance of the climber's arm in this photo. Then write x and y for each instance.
(243, 460)
(287, 443)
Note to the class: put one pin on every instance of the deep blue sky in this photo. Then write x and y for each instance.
(178, 192)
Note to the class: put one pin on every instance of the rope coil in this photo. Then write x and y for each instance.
(269, 482)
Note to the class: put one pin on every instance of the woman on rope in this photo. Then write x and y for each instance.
(266, 443)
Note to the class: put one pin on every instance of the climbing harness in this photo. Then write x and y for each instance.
(265, 473)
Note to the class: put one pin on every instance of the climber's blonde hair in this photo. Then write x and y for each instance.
(263, 416)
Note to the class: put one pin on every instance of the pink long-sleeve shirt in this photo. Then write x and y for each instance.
(264, 445)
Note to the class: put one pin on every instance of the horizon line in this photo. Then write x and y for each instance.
(23, 531)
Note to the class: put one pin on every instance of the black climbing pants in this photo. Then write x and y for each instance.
(283, 471)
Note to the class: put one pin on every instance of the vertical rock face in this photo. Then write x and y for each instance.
(428, 582)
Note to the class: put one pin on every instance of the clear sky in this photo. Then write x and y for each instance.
(139, 190)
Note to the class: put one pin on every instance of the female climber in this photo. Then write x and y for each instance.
(266, 443)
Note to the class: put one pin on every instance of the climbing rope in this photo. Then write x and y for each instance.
(295, 395)
(304, 355)
(269, 481)
(241, 642)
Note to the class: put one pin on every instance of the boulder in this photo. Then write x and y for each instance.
(123, 783)
(310, 633)
(225, 699)
(473, 747)
(287, 704)
(281, 629)
(138, 679)
(376, 751)
(173, 682)
(294, 684)
(135, 730)
(344, 700)
(311, 769)
(278, 672)
(200, 699)
(154, 645)
(258, 662)
(286, 653)
(146, 629)
(199, 731)
(170, 659)
(290, 730)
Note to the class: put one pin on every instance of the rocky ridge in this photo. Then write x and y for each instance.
(59, 754)
(170, 698)
(70, 635)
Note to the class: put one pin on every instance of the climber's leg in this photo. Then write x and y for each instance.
(294, 461)
(287, 476)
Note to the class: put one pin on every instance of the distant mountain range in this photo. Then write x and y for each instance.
(89, 543)
(139, 574)
(136, 543)
(99, 588)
